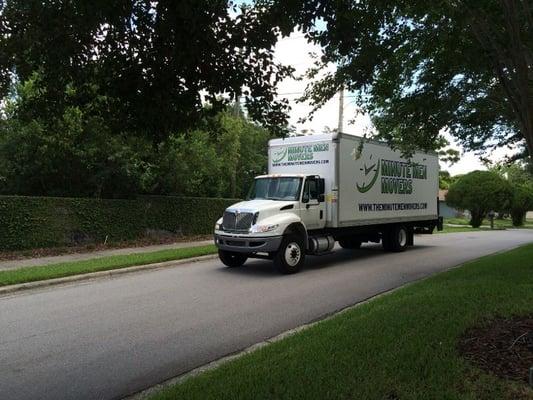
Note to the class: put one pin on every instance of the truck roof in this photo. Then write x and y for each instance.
(301, 139)
(322, 137)
(282, 176)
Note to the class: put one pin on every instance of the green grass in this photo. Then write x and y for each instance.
(398, 346)
(498, 223)
(39, 273)
(466, 228)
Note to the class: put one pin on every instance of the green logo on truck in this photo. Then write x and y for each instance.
(304, 152)
(279, 155)
(367, 169)
(396, 176)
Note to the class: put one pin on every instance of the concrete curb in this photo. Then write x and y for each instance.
(99, 275)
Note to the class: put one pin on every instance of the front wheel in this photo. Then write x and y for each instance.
(291, 255)
(232, 259)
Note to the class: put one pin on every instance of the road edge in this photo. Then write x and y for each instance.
(10, 289)
(146, 393)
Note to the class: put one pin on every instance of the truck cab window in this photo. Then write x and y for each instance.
(282, 188)
(310, 190)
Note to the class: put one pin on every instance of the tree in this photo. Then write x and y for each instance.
(72, 154)
(421, 67)
(152, 60)
(77, 154)
(479, 192)
(446, 180)
(219, 160)
(520, 177)
(521, 202)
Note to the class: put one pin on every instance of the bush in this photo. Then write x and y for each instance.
(479, 192)
(521, 202)
(33, 222)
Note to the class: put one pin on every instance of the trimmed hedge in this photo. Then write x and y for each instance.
(33, 222)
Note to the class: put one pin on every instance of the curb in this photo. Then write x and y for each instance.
(100, 274)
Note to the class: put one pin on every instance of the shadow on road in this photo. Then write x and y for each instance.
(258, 267)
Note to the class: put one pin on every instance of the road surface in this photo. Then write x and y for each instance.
(108, 338)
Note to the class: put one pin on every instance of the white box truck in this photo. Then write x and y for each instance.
(322, 189)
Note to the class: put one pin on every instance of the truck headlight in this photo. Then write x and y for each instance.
(263, 228)
(217, 226)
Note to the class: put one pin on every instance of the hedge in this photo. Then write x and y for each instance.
(34, 222)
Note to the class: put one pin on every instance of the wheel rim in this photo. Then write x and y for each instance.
(293, 254)
(402, 237)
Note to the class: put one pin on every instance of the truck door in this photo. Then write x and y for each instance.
(313, 209)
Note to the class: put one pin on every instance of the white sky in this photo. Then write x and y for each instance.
(294, 51)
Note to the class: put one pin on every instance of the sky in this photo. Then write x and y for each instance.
(294, 51)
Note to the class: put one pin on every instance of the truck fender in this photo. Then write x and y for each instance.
(299, 229)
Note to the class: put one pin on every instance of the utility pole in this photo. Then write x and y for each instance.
(341, 109)
(237, 106)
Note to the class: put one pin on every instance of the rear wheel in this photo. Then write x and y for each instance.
(232, 259)
(291, 255)
(349, 243)
(395, 239)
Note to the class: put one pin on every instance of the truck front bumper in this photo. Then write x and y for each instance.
(246, 244)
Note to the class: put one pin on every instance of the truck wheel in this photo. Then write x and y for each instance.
(232, 259)
(291, 255)
(349, 243)
(396, 239)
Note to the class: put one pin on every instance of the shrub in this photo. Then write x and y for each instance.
(479, 192)
(32, 222)
(521, 202)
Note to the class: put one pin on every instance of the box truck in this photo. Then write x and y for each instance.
(327, 188)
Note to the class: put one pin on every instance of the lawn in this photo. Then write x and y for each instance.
(498, 223)
(402, 345)
(39, 273)
(466, 228)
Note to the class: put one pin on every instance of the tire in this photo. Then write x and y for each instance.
(396, 239)
(232, 259)
(291, 255)
(349, 243)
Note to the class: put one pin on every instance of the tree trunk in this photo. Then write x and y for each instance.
(476, 218)
(518, 217)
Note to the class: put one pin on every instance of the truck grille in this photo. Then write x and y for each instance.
(237, 221)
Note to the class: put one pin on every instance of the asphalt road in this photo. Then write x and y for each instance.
(109, 338)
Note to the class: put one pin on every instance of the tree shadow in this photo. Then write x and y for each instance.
(338, 257)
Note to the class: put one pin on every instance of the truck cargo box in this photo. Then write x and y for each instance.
(366, 181)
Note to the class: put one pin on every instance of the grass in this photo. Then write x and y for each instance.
(398, 346)
(466, 228)
(39, 273)
(498, 223)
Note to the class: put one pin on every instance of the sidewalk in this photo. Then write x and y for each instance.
(32, 262)
(467, 226)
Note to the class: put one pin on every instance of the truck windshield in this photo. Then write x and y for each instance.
(282, 188)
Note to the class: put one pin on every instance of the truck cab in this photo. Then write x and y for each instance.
(279, 211)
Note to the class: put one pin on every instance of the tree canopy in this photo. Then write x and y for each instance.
(149, 63)
(421, 67)
(78, 154)
(479, 192)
